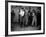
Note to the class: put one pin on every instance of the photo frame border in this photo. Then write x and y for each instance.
(6, 18)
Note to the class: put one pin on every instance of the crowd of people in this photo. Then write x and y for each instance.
(26, 17)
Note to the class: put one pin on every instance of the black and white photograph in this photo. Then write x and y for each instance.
(24, 18)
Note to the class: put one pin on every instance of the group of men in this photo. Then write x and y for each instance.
(24, 16)
(27, 16)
